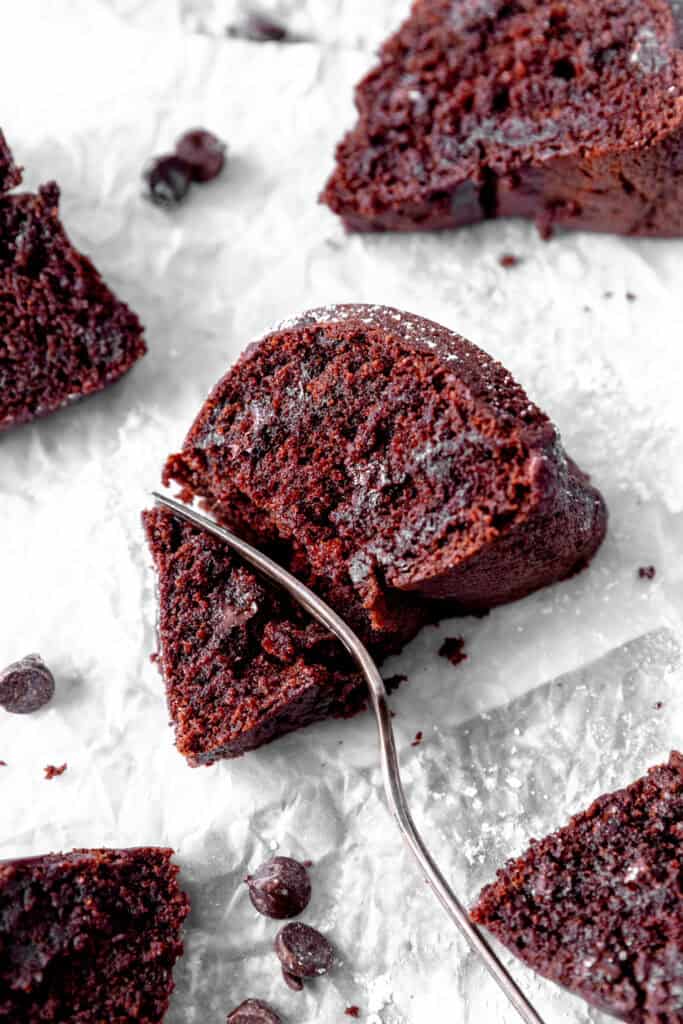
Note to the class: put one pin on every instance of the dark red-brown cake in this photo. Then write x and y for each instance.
(598, 906)
(89, 936)
(10, 175)
(63, 334)
(243, 663)
(566, 111)
(393, 466)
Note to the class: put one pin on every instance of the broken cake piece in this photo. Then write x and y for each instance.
(89, 936)
(242, 662)
(392, 466)
(567, 113)
(597, 907)
(63, 333)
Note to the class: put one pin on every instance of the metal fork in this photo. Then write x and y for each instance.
(389, 758)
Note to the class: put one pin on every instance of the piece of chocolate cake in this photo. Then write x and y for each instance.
(570, 113)
(89, 936)
(389, 460)
(390, 464)
(10, 174)
(598, 906)
(242, 662)
(63, 334)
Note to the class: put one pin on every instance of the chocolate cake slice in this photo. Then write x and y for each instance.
(389, 461)
(10, 175)
(243, 663)
(598, 906)
(570, 113)
(89, 936)
(63, 334)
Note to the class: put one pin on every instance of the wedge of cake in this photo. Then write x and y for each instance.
(243, 663)
(89, 936)
(63, 333)
(570, 113)
(598, 906)
(390, 464)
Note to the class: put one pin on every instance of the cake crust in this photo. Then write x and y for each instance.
(597, 908)
(10, 174)
(569, 114)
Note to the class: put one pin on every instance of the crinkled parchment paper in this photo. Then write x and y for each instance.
(575, 690)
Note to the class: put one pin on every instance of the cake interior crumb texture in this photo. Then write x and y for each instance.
(10, 174)
(570, 113)
(63, 334)
(393, 467)
(89, 936)
(598, 908)
(242, 662)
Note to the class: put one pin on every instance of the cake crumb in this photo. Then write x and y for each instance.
(647, 572)
(659, 705)
(631, 297)
(393, 682)
(352, 1011)
(418, 740)
(52, 771)
(453, 648)
(3, 764)
(307, 863)
(509, 260)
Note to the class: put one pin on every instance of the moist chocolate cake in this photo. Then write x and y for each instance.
(388, 460)
(63, 334)
(570, 113)
(597, 906)
(89, 936)
(10, 175)
(242, 662)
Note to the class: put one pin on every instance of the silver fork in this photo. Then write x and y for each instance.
(390, 765)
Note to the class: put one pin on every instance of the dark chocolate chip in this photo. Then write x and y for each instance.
(168, 179)
(26, 685)
(292, 981)
(258, 28)
(303, 951)
(203, 153)
(280, 888)
(253, 1011)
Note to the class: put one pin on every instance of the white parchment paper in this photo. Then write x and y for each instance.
(575, 690)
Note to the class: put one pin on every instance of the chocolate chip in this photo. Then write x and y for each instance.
(292, 981)
(168, 179)
(647, 572)
(26, 685)
(253, 1011)
(203, 153)
(303, 951)
(258, 28)
(280, 888)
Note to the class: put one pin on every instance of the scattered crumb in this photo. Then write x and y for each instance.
(393, 682)
(508, 260)
(3, 764)
(352, 1011)
(607, 295)
(453, 648)
(647, 572)
(418, 740)
(307, 863)
(587, 309)
(631, 297)
(52, 771)
(154, 657)
(659, 705)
